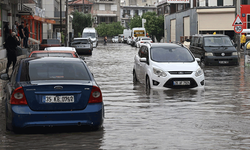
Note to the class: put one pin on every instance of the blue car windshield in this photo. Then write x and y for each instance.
(37, 70)
(171, 54)
(217, 41)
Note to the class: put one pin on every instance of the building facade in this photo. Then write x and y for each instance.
(201, 17)
(131, 8)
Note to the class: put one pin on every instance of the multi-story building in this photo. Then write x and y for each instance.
(106, 11)
(130, 8)
(184, 18)
(79, 5)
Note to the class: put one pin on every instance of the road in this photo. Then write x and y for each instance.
(217, 117)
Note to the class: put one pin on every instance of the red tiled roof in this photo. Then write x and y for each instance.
(79, 2)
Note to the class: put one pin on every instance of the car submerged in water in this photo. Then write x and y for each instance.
(52, 91)
(167, 65)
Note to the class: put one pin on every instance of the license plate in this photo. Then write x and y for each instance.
(181, 83)
(58, 99)
(223, 62)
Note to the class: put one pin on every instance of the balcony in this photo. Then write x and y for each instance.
(105, 1)
(57, 14)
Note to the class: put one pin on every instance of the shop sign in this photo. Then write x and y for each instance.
(39, 12)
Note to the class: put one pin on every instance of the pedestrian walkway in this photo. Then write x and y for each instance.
(22, 54)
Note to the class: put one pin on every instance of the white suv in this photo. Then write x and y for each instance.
(167, 65)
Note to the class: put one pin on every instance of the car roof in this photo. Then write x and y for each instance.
(81, 38)
(60, 49)
(209, 35)
(54, 51)
(164, 45)
(55, 59)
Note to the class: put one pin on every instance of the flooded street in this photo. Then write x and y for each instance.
(217, 117)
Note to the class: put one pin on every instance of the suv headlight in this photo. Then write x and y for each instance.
(159, 72)
(209, 54)
(234, 54)
(198, 72)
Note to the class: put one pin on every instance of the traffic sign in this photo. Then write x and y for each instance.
(237, 24)
(237, 21)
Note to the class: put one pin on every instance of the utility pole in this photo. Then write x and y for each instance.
(83, 6)
(238, 35)
(60, 16)
(66, 29)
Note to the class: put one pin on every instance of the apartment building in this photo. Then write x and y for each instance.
(105, 11)
(84, 6)
(189, 17)
(130, 8)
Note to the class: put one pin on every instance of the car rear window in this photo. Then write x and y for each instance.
(171, 54)
(80, 41)
(51, 70)
(50, 41)
(146, 39)
(51, 55)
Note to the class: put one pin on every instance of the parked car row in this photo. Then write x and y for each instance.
(53, 87)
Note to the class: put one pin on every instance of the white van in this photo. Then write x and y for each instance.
(92, 34)
(126, 34)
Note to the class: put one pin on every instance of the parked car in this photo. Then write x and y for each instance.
(214, 49)
(167, 65)
(115, 39)
(83, 45)
(49, 43)
(142, 40)
(62, 48)
(133, 42)
(52, 91)
(129, 40)
(54, 54)
(120, 38)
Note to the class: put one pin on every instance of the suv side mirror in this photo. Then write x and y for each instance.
(144, 59)
(235, 45)
(4, 76)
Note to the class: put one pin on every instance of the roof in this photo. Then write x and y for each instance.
(45, 59)
(56, 51)
(204, 35)
(79, 2)
(60, 48)
(164, 44)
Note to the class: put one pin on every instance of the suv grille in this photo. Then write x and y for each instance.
(169, 83)
(222, 54)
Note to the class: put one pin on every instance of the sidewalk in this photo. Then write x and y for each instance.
(21, 54)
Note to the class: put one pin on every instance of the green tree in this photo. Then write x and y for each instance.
(111, 29)
(81, 21)
(154, 25)
(136, 21)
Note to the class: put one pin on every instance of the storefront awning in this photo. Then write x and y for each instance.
(106, 15)
(38, 19)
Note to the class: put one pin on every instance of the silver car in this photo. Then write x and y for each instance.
(83, 45)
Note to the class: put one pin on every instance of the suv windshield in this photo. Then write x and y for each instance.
(80, 41)
(87, 35)
(171, 54)
(217, 41)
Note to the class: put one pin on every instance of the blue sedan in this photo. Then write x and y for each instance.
(52, 91)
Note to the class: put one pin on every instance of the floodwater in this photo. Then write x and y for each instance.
(217, 117)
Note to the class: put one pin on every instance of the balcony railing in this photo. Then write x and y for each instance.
(57, 14)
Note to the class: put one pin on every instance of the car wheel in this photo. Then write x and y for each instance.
(148, 87)
(134, 77)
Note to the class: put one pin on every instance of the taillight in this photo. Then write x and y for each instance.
(18, 97)
(142, 42)
(151, 41)
(96, 95)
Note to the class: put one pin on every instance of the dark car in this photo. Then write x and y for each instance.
(215, 49)
(83, 45)
(52, 91)
(49, 43)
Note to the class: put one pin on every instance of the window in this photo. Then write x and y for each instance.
(248, 21)
(165, 9)
(102, 19)
(144, 0)
(113, 7)
(245, 2)
(101, 6)
(144, 11)
(136, 12)
(219, 2)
